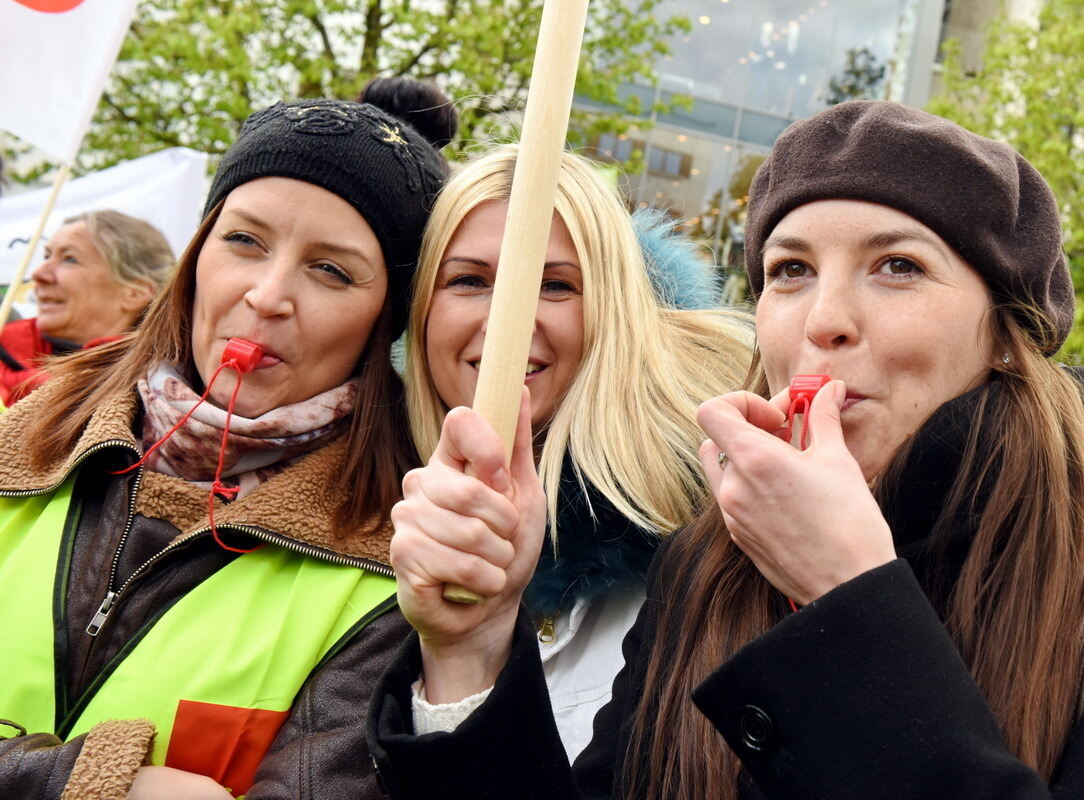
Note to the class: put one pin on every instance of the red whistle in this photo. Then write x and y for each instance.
(802, 390)
(807, 386)
(244, 354)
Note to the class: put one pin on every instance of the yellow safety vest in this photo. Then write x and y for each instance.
(217, 671)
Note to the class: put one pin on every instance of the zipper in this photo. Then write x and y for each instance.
(78, 461)
(251, 530)
(547, 631)
(102, 613)
(110, 600)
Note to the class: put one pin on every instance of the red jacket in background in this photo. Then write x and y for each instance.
(22, 349)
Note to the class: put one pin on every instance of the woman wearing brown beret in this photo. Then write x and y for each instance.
(894, 611)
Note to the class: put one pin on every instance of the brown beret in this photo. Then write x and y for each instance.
(989, 204)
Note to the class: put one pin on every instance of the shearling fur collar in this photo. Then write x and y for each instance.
(298, 503)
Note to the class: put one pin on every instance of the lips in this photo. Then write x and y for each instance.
(852, 399)
(533, 367)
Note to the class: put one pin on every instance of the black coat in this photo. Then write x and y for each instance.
(861, 694)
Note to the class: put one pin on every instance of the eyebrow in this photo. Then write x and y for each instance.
(873, 241)
(336, 249)
(482, 263)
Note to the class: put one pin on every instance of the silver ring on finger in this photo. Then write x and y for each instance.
(722, 459)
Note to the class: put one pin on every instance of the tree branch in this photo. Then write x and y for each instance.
(324, 38)
(374, 29)
(162, 135)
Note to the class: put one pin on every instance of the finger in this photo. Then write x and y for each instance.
(467, 534)
(709, 462)
(781, 401)
(469, 442)
(467, 496)
(824, 415)
(724, 420)
(522, 464)
(424, 563)
(756, 410)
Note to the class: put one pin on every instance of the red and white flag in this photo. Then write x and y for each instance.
(54, 58)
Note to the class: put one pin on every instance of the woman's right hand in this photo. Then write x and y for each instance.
(166, 783)
(482, 531)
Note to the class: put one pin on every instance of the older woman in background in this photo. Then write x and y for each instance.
(101, 269)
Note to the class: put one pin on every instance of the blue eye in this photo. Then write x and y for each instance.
(467, 281)
(335, 271)
(557, 287)
(240, 238)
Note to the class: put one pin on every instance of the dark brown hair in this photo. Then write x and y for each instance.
(379, 443)
(1014, 612)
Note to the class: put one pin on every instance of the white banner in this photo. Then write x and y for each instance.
(54, 58)
(166, 189)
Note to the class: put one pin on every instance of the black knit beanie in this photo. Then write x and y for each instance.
(989, 204)
(377, 163)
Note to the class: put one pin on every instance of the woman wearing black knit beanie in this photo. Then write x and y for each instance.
(884, 596)
(194, 519)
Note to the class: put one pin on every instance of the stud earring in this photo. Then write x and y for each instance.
(1005, 358)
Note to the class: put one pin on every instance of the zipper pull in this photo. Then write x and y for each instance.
(103, 612)
(547, 631)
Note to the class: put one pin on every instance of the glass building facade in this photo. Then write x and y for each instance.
(750, 68)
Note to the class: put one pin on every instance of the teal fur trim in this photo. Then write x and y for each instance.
(680, 275)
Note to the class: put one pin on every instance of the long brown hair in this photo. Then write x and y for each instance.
(379, 443)
(1014, 612)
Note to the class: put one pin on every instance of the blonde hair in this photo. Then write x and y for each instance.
(628, 419)
(135, 250)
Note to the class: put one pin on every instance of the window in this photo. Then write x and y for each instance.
(660, 161)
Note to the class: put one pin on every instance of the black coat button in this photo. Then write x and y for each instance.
(756, 727)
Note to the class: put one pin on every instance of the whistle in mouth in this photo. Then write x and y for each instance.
(806, 386)
(244, 354)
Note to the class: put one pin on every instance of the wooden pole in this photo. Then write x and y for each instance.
(527, 227)
(62, 175)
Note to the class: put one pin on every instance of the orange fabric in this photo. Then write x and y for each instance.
(225, 743)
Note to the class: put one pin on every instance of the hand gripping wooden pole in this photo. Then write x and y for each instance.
(527, 227)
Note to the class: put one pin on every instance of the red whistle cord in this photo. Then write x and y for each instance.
(799, 405)
(216, 487)
(802, 387)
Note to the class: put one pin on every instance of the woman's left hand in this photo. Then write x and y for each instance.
(805, 518)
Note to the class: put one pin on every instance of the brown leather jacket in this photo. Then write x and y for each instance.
(320, 752)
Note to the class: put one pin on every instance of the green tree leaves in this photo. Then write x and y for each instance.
(190, 71)
(1026, 93)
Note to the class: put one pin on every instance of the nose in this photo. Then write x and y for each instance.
(43, 272)
(487, 313)
(833, 318)
(272, 292)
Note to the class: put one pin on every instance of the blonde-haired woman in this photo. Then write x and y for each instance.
(625, 346)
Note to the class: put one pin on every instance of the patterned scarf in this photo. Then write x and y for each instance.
(256, 449)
